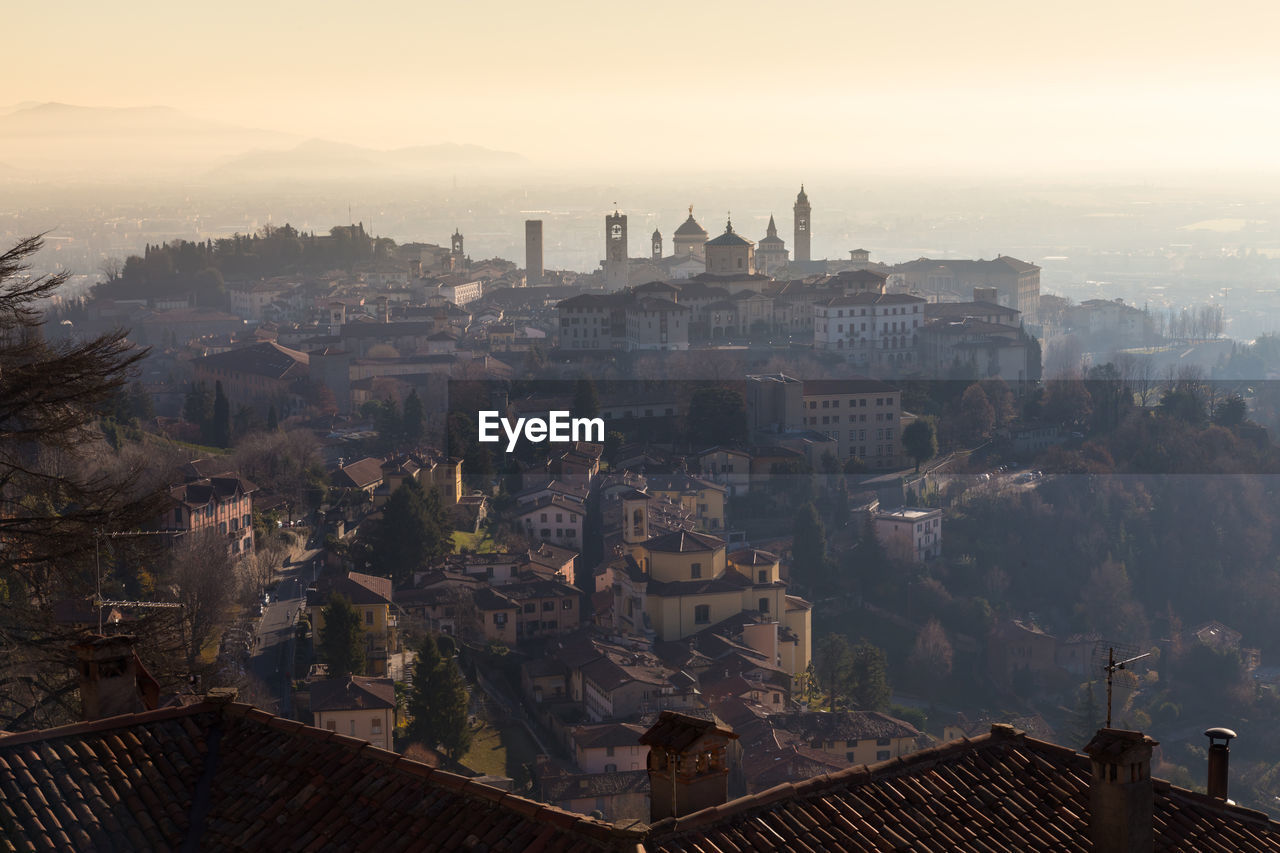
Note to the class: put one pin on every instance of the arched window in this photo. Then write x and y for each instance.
(637, 523)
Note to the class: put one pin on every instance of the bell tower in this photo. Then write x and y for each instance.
(457, 258)
(657, 245)
(615, 251)
(804, 225)
(635, 517)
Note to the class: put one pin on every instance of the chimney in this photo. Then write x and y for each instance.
(688, 765)
(1121, 799)
(112, 679)
(1219, 755)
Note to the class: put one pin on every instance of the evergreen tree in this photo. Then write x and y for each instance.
(438, 703)
(920, 441)
(342, 638)
(716, 416)
(809, 546)
(197, 406)
(220, 425)
(273, 420)
(586, 403)
(869, 673)
(414, 531)
(832, 664)
(414, 420)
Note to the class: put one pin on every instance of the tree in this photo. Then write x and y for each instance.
(59, 487)
(201, 578)
(220, 424)
(977, 418)
(273, 420)
(197, 406)
(414, 531)
(716, 416)
(869, 674)
(414, 419)
(438, 702)
(809, 548)
(920, 440)
(833, 664)
(931, 656)
(342, 637)
(1231, 411)
(586, 403)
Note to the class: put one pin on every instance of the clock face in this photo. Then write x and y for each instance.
(616, 232)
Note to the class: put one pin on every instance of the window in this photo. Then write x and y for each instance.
(608, 751)
(368, 617)
(376, 728)
(882, 755)
(702, 614)
(883, 741)
(611, 768)
(764, 576)
(353, 727)
(548, 605)
(764, 605)
(331, 726)
(500, 619)
(852, 743)
(530, 608)
(695, 570)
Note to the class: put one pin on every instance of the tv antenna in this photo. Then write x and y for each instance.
(1111, 667)
(99, 603)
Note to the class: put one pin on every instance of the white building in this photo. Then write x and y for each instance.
(910, 534)
(870, 329)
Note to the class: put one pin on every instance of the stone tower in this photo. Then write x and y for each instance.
(457, 257)
(615, 251)
(688, 765)
(657, 244)
(804, 226)
(771, 252)
(532, 252)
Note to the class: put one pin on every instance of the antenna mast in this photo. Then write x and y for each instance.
(1111, 667)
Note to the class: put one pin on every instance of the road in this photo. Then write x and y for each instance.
(272, 659)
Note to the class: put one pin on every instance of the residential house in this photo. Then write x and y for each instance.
(910, 535)
(355, 706)
(370, 596)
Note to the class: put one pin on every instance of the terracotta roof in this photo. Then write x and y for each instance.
(1001, 791)
(574, 786)
(358, 588)
(353, 693)
(360, 475)
(677, 731)
(265, 359)
(606, 734)
(753, 557)
(683, 541)
(231, 777)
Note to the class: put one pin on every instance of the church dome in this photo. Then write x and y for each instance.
(691, 228)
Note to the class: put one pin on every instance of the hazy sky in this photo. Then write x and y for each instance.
(661, 85)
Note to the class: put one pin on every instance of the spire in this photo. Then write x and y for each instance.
(772, 230)
(728, 227)
(802, 198)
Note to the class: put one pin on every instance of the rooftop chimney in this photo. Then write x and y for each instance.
(688, 765)
(112, 679)
(1219, 755)
(1121, 799)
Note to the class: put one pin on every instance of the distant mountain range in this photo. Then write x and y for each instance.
(65, 141)
(320, 158)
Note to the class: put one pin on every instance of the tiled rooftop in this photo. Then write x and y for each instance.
(231, 777)
(999, 792)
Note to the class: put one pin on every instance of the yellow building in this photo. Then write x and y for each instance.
(358, 707)
(370, 596)
(702, 498)
(671, 586)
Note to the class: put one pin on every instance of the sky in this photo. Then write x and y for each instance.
(909, 86)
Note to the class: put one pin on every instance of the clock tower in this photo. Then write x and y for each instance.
(657, 245)
(615, 251)
(804, 226)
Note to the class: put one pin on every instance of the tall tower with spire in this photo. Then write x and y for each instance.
(771, 252)
(457, 257)
(804, 225)
(616, 274)
(657, 244)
